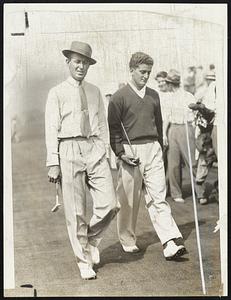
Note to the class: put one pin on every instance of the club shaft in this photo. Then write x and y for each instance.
(134, 156)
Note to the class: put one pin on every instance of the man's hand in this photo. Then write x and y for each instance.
(165, 141)
(130, 160)
(54, 174)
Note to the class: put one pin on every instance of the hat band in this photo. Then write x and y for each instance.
(79, 51)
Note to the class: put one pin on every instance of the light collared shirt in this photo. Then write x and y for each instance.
(140, 93)
(180, 113)
(63, 115)
(165, 104)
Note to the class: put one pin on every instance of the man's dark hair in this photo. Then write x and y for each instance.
(161, 74)
(139, 58)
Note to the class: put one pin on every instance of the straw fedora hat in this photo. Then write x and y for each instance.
(173, 76)
(80, 48)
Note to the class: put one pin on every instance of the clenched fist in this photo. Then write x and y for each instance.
(54, 174)
(130, 160)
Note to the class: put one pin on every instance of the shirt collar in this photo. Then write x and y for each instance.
(74, 82)
(140, 93)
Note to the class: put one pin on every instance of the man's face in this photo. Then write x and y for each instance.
(169, 87)
(162, 85)
(140, 75)
(208, 81)
(78, 66)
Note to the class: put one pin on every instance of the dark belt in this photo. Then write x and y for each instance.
(75, 138)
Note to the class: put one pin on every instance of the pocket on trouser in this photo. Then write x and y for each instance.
(71, 161)
(100, 146)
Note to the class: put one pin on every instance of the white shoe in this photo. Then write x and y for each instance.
(172, 251)
(130, 249)
(94, 254)
(86, 271)
(178, 200)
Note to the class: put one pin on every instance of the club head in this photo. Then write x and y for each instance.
(56, 207)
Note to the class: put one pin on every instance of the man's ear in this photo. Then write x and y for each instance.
(131, 70)
(67, 60)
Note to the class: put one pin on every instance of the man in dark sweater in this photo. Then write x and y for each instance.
(134, 113)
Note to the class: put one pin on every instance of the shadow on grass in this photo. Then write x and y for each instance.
(115, 253)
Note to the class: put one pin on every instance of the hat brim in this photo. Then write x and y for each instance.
(68, 52)
(171, 81)
(210, 77)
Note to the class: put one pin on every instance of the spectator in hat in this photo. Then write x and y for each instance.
(76, 141)
(177, 140)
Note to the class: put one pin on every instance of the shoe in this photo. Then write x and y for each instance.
(178, 200)
(94, 255)
(172, 251)
(130, 249)
(203, 201)
(86, 271)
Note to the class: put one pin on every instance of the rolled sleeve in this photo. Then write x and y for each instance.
(52, 122)
(103, 127)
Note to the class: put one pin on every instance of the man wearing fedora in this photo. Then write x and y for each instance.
(179, 114)
(76, 138)
(135, 125)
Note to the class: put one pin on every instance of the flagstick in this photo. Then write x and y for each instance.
(195, 213)
(191, 174)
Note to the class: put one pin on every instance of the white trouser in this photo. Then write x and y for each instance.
(129, 192)
(83, 162)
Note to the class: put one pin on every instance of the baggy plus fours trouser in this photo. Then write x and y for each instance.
(178, 150)
(84, 160)
(129, 192)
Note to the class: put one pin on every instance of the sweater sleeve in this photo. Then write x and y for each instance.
(159, 121)
(114, 122)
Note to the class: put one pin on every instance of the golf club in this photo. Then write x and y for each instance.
(57, 204)
(148, 203)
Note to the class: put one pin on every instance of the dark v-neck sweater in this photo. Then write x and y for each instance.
(141, 118)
